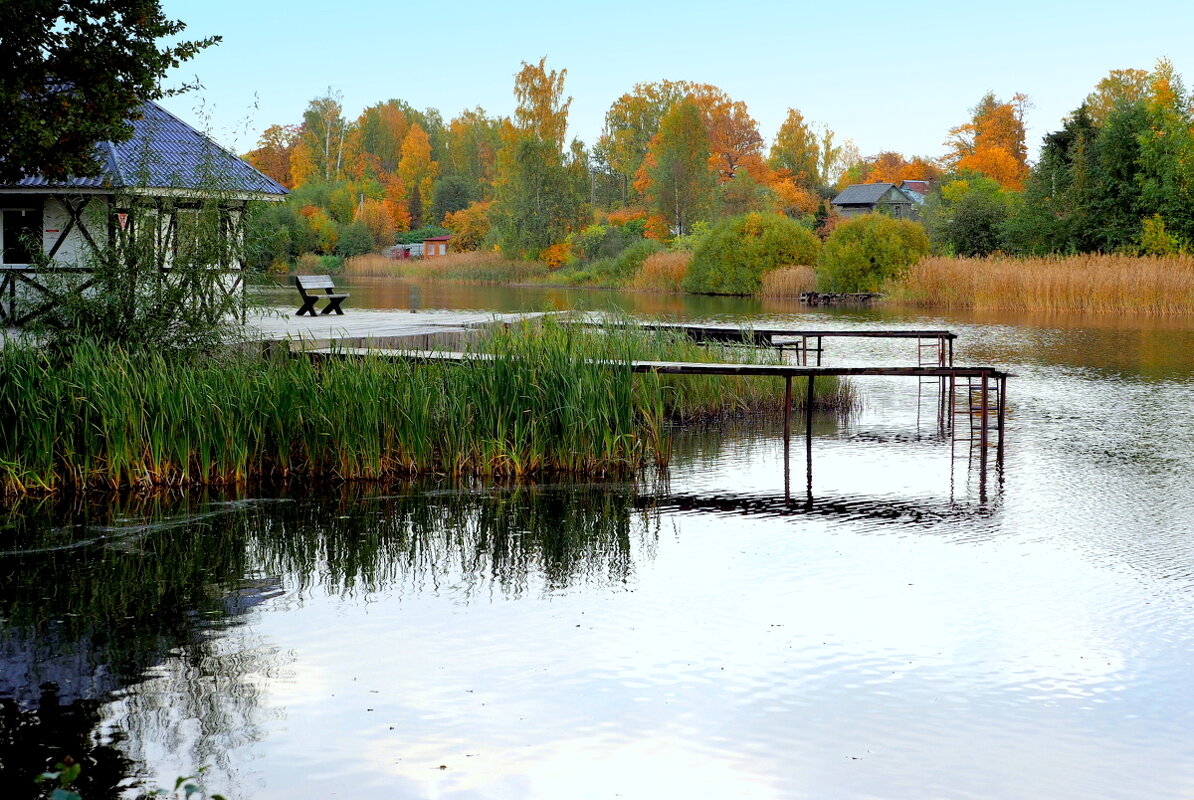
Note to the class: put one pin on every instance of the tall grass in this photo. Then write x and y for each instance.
(474, 267)
(1093, 283)
(662, 272)
(373, 265)
(788, 281)
(549, 400)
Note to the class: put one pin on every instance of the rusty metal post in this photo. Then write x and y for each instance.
(983, 408)
(787, 438)
(1002, 409)
(808, 433)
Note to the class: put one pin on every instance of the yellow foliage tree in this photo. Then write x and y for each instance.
(417, 172)
(469, 227)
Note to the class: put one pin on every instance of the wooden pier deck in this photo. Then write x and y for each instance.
(803, 341)
(410, 328)
(989, 394)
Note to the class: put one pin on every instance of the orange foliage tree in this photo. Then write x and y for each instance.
(889, 167)
(992, 139)
(274, 148)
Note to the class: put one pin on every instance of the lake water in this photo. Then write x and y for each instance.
(905, 626)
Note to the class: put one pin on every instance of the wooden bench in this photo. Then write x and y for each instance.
(306, 284)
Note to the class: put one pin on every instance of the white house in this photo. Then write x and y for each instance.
(166, 167)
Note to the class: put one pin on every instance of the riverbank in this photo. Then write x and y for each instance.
(1087, 284)
(107, 419)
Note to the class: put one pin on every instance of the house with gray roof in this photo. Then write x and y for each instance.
(864, 198)
(164, 169)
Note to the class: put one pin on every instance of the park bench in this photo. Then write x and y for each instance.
(307, 284)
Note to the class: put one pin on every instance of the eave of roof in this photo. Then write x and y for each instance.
(168, 154)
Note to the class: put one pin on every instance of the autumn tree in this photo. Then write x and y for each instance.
(319, 152)
(992, 142)
(1120, 87)
(542, 110)
(797, 150)
(675, 177)
(635, 118)
(734, 138)
(469, 227)
(375, 141)
(535, 200)
(889, 167)
(631, 123)
(418, 172)
(375, 218)
(273, 152)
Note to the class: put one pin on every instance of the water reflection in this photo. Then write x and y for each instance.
(138, 603)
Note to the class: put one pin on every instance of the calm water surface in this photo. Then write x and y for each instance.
(900, 628)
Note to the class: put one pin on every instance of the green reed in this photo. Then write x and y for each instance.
(547, 398)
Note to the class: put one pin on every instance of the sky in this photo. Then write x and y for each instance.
(889, 75)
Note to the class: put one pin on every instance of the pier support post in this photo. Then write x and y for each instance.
(788, 438)
(808, 434)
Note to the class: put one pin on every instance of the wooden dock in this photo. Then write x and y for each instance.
(806, 341)
(415, 329)
(984, 401)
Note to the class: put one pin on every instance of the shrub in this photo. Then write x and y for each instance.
(355, 240)
(864, 252)
(620, 270)
(604, 241)
(733, 257)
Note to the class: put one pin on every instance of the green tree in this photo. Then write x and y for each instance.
(355, 240)
(451, 195)
(73, 73)
(1166, 154)
(535, 202)
(733, 257)
(966, 217)
(798, 150)
(865, 251)
(675, 177)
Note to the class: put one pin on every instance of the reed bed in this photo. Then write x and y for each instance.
(473, 267)
(788, 281)
(662, 272)
(549, 402)
(1093, 283)
(372, 265)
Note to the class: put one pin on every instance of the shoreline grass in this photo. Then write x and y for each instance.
(1093, 283)
(107, 419)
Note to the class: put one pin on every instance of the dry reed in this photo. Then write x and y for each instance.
(1093, 283)
(473, 267)
(373, 264)
(662, 272)
(788, 281)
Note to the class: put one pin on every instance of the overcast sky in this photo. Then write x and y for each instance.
(889, 75)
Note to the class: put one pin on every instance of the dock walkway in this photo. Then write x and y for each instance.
(806, 341)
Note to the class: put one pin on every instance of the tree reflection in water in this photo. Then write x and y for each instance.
(120, 618)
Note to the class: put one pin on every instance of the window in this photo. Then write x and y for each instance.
(19, 228)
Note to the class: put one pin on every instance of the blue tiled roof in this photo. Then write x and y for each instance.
(165, 153)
